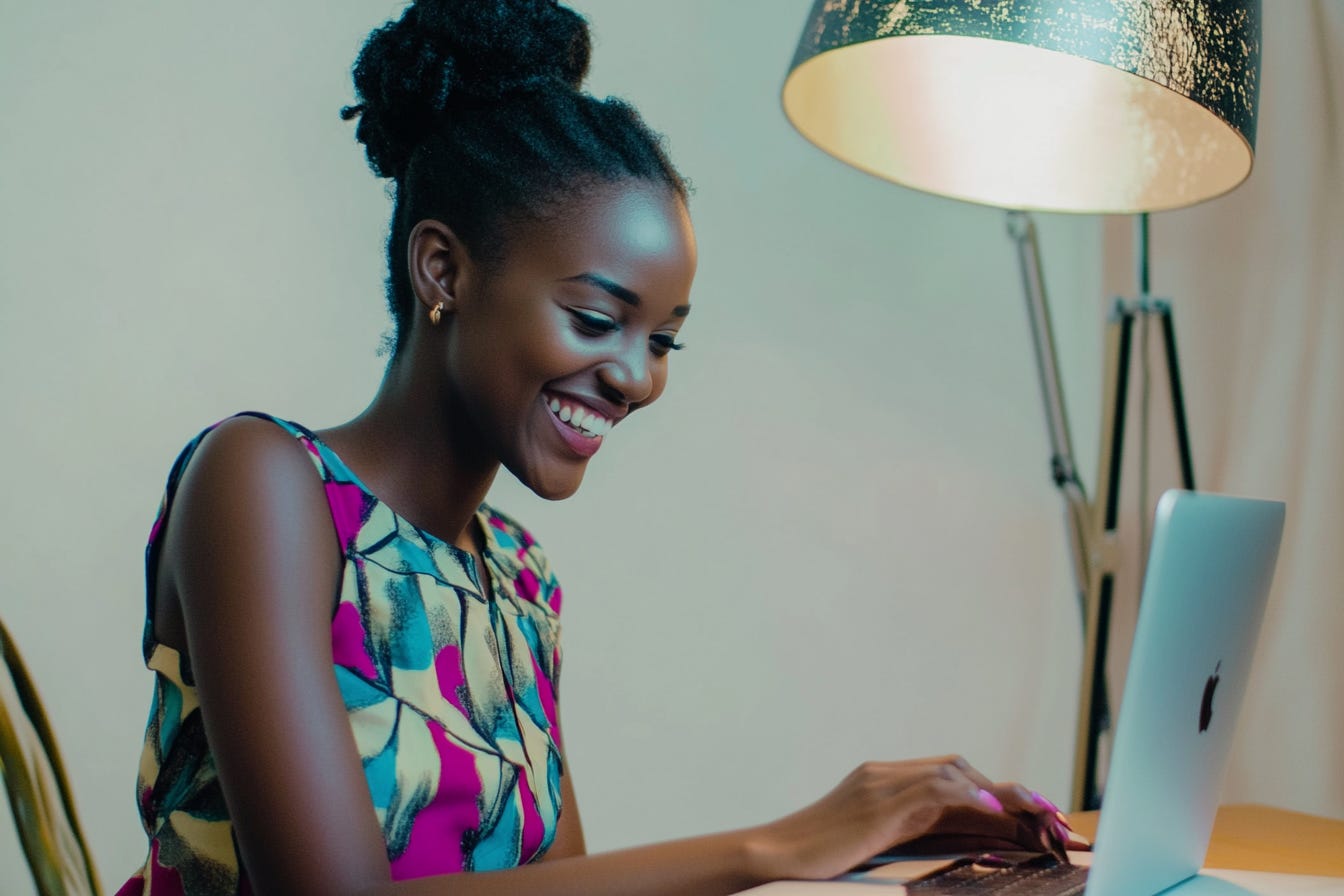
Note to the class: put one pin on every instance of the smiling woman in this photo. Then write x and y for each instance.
(356, 659)
(582, 316)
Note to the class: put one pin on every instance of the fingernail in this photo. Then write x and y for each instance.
(1044, 803)
(1055, 845)
(1064, 820)
(1063, 831)
(990, 800)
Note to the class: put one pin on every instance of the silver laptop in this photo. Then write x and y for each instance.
(1204, 596)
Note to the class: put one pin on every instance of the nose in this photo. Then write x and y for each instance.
(626, 377)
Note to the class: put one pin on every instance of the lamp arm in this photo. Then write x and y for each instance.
(1063, 468)
(1092, 580)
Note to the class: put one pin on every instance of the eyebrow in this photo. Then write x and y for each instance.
(628, 296)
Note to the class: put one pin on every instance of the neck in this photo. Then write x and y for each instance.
(414, 448)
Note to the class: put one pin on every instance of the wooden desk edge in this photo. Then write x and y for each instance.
(1249, 837)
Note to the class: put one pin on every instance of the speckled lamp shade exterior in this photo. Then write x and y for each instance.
(1070, 105)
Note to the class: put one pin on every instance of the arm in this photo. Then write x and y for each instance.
(875, 807)
(253, 559)
(252, 556)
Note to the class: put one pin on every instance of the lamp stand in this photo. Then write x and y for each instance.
(1091, 524)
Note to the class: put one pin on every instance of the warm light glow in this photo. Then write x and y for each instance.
(1013, 125)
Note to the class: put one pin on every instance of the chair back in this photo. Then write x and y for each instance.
(39, 793)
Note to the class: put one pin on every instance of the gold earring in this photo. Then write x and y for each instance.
(436, 315)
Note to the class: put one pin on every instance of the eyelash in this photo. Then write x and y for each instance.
(592, 324)
(666, 343)
(599, 325)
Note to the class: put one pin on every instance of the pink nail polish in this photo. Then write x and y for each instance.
(1044, 803)
(989, 800)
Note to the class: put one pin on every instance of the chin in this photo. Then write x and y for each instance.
(555, 494)
(553, 485)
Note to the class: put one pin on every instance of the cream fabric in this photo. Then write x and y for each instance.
(1257, 281)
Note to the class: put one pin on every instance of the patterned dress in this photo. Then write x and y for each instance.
(450, 695)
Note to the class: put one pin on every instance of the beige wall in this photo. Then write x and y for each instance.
(834, 539)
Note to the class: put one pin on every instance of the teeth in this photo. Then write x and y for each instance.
(582, 419)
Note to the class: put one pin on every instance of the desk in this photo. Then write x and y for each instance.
(1261, 838)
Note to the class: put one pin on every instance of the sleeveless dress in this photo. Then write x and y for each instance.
(450, 695)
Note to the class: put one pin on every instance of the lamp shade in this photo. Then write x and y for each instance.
(1104, 106)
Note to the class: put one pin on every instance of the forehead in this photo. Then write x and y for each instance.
(634, 232)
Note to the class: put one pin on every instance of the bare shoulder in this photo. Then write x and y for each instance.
(247, 450)
(250, 500)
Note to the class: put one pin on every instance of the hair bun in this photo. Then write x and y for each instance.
(504, 45)
(442, 53)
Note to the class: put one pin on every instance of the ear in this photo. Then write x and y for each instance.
(438, 264)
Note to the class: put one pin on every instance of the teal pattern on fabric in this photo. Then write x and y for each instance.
(449, 687)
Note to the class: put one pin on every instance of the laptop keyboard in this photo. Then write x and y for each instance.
(1039, 876)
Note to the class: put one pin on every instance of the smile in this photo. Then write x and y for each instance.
(579, 417)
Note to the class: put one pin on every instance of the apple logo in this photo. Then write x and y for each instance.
(1206, 707)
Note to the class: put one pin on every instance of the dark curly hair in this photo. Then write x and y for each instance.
(475, 109)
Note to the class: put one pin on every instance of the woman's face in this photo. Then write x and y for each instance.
(573, 331)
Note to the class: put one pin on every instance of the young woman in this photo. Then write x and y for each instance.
(356, 659)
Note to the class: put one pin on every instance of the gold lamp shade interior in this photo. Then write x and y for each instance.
(1118, 106)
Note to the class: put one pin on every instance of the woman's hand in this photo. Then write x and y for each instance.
(940, 803)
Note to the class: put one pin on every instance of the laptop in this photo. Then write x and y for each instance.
(1204, 595)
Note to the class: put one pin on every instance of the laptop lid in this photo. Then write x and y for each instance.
(1204, 595)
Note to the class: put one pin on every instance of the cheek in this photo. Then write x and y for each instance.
(495, 353)
(483, 376)
(547, 345)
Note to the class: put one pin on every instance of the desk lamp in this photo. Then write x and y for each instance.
(1087, 106)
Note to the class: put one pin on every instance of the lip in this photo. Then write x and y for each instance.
(583, 446)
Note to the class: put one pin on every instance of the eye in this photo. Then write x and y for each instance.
(592, 323)
(662, 343)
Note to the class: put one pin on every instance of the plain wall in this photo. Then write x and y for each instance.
(834, 539)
